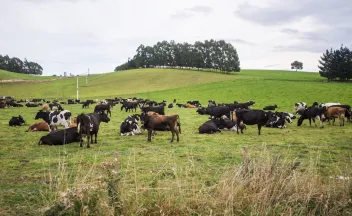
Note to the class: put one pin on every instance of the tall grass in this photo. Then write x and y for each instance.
(266, 185)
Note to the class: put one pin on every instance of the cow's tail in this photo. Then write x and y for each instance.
(179, 123)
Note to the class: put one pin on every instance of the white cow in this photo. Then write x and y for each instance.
(60, 118)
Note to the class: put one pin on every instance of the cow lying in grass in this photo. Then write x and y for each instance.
(39, 126)
(154, 122)
(60, 137)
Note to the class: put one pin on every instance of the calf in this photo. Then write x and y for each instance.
(153, 121)
(332, 113)
(101, 108)
(310, 113)
(39, 126)
(251, 117)
(270, 107)
(60, 137)
(88, 125)
(16, 121)
(130, 126)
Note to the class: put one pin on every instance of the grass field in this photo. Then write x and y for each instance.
(193, 176)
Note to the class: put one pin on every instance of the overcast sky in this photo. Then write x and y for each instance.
(74, 35)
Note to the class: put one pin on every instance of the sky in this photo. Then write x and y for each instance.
(74, 35)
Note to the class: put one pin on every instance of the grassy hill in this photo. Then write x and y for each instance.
(202, 174)
(6, 75)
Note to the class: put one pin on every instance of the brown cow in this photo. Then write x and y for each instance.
(153, 121)
(332, 113)
(190, 106)
(39, 126)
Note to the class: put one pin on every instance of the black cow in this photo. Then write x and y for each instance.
(193, 102)
(70, 101)
(160, 110)
(88, 124)
(251, 117)
(217, 112)
(170, 105)
(174, 101)
(101, 108)
(61, 137)
(129, 106)
(130, 126)
(209, 127)
(85, 105)
(181, 105)
(201, 110)
(270, 107)
(31, 105)
(16, 121)
(310, 113)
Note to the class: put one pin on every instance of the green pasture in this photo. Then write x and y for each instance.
(29, 171)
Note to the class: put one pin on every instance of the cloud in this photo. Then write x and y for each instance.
(272, 65)
(189, 12)
(289, 31)
(240, 41)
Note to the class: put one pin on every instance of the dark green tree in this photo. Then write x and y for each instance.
(297, 65)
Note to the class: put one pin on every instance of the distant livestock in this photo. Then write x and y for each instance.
(101, 108)
(270, 107)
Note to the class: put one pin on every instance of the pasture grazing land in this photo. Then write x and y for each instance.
(199, 175)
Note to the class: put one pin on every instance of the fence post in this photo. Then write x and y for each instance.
(245, 160)
(117, 163)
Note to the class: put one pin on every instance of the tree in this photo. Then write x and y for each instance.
(336, 64)
(18, 66)
(297, 65)
(210, 54)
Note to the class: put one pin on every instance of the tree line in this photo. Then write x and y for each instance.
(210, 54)
(336, 64)
(18, 66)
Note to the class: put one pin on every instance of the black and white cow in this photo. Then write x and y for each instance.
(299, 106)
(88, 125)
(310, 113)
(130, 127)
(56, 107)
(16, 121)
(60, 137)
(55, 118)
(211, 103)
(278, 120)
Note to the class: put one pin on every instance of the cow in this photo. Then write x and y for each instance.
(16, 121)
(101, 108)
(88, 125)
(209, 127)
(129, 105)
(2, 105)
(174, 101)
(31, 105)
(193, 102)
(217, 112)
(58, 107)
(299, 106)
(190, 106)
(60, 137)
(170, 105)
(153, 121)
(181, 105)
(278, 120)
(310, 113)
(160, 110)
(201, 110)
(250, 117)
(211, 103)
(55, 118)
(270, 107)
(332, 113)
(130, 126)
(85, 105)
(348, 113)
(39, 126)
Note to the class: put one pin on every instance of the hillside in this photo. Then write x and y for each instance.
(8, 76)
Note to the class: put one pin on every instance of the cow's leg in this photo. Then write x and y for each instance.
(96, 135)
(259, 127)
(173, 135)
(80, 140)
(88, 139)
(149, 135)
(177, 134)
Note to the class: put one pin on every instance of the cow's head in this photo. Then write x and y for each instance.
(104, 117)
(21, 120)
(41, 114)
(300, 120)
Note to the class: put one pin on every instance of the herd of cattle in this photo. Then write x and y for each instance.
(225, 116)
